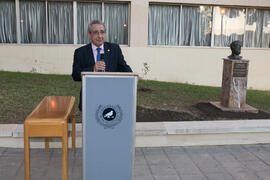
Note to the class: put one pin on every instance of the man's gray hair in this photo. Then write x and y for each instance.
(95, 22)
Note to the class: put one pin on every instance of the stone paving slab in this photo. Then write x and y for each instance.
(230, 162)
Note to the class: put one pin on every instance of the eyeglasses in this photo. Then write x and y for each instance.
(98, 32)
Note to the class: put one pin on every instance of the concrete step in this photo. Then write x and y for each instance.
(157, 134)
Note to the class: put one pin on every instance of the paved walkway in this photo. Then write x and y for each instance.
(238, 162)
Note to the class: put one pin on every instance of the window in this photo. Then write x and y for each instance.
(86, 12)
(169, 26)
(229, 25)
(196, 26)
(60, 22)
(54, 23)
(33, 21)
(116, 22)
(186, 25)
(163, 25)
(115, 19)
(257, 31)
(7, 22)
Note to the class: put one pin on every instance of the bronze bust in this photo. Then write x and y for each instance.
(236, 50)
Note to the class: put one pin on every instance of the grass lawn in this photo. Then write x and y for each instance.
(21, 92)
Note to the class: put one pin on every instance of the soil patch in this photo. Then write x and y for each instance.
(200, 112)
(212, 112)
(157, 115)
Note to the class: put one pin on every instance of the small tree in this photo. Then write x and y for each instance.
(146, 69)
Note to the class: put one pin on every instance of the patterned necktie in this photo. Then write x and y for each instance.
(98, 54)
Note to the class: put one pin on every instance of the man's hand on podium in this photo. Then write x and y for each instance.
(99, 66)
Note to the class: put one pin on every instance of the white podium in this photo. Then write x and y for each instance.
(109, 117)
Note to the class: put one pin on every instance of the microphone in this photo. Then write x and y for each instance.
(102, 58)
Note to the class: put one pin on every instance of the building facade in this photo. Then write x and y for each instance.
(166, 40)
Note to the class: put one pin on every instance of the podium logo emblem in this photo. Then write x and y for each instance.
(109, 116)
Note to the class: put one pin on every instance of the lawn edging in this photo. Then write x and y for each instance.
(157, 134)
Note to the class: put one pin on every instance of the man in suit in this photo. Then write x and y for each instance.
(86, 58)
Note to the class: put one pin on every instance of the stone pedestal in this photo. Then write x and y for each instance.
(234, 86)
(234, 83)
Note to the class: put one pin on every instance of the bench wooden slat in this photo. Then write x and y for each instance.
(53, 107)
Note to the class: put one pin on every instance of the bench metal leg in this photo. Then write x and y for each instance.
(26, 155)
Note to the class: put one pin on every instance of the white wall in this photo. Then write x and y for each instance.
(196, 65)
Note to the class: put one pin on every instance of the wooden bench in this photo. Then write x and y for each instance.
(50, 119)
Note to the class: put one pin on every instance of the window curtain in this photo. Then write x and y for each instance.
(7, 22)
(196, 26)
(116, 21)
(86, 12)
(33, 21)
(163, 25)
(60, 22)
(229, 25)
(257, 31)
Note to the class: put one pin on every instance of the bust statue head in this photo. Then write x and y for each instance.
(236, 50)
